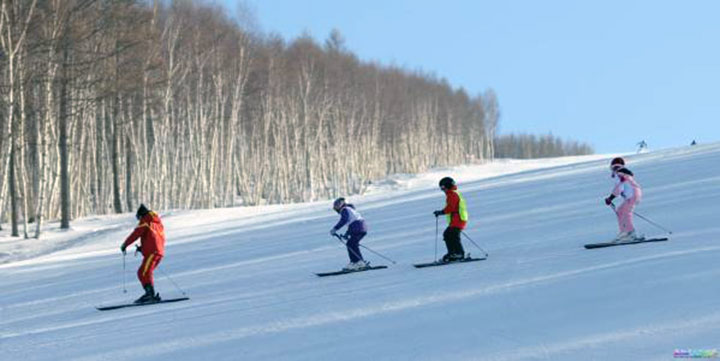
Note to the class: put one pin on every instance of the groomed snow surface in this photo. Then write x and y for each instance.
(250, 275)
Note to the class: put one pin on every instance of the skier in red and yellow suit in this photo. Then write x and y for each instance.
(457, 216)
(151, 232)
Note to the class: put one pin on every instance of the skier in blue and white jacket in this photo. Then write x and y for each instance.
(356, 230)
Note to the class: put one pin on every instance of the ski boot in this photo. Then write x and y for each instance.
(356, 266)
(149, 296)
(627, 237)
(453, 257)
(621, 237)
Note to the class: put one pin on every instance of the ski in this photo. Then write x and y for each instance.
(611, 244)
(115, 307)
(342, 272)
(441, 263)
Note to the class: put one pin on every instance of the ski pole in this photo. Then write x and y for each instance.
(377, 253)
(124, 288)
(645, 219)
(344, 244)
(653, 223)
(436, 236)
(173, 282)
(473, 242)
(367, 248)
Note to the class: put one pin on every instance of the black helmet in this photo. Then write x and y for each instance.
(447, 183)
(617, 163)
(339, 204)
(141, 212)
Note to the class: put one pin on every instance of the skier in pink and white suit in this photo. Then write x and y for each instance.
(631, 192)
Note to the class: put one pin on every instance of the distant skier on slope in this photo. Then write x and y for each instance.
(151, 232)
(356, 230)
(457, 217)
(631, 192)
(642, 147)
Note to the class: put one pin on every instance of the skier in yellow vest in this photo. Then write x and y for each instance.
(457, 216)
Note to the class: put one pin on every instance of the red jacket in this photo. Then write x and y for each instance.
(452, 208)
(151, 232)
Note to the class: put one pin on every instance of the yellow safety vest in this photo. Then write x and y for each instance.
(462, 209)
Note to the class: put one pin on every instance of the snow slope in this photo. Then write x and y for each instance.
(540, 295)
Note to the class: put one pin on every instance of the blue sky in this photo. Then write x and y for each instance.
(610, 73)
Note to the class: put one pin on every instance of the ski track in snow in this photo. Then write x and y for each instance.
(539, 296)
(325, 318)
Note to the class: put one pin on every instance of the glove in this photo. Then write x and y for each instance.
(122, 248)
(333, 232)
(608, 200)
(438, 213)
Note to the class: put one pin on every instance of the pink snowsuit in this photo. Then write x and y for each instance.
(631, 192)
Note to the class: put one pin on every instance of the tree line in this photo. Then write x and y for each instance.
(526, 146)
(106, 104)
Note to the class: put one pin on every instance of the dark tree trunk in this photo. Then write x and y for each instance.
(63, 144)
(117, 204)
(13, 198)
(128, 175)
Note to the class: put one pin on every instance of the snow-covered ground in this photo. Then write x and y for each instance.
(249, 273)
